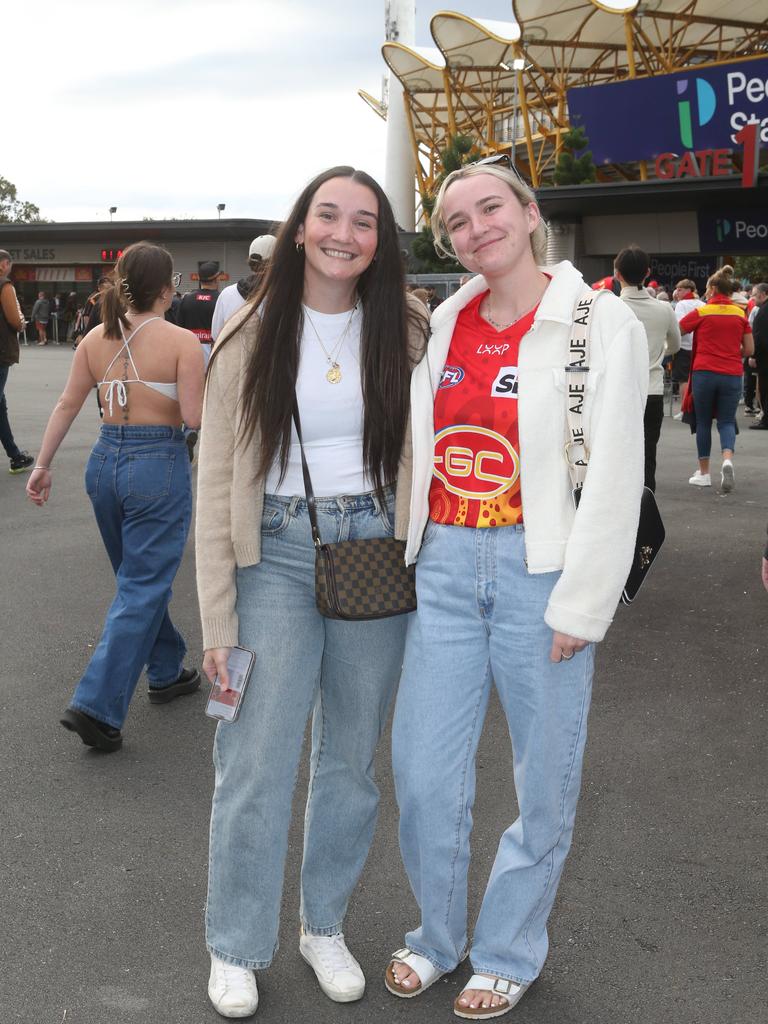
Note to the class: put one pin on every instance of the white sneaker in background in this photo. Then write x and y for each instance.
(727, 477)
(677, 416)
(700, 479)
(232, 989)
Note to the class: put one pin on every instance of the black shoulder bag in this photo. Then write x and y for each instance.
(650, 530)
(357, 579)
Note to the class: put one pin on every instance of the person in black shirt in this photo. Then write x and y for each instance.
(195, 311)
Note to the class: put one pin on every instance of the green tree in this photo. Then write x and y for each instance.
(12, 209)
(751, 268)
(461, 149)
(572, 169)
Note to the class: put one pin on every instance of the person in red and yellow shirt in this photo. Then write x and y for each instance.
(722, 339)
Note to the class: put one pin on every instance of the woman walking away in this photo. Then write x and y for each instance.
(722, 339)
(631, 267)
(150, 379)
(331, 325)
(514, 583)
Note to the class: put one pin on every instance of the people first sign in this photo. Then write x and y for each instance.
(699, 110)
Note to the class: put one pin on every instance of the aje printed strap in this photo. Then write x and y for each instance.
(576, 370)
(357, 579)
(650, 531)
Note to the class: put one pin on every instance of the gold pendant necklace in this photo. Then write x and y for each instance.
(333, 374)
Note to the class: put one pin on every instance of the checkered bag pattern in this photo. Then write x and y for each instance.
(364, 579)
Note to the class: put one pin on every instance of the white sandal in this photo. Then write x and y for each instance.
(511, 991)
(424, 969)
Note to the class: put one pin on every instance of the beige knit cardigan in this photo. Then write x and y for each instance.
(230, 490)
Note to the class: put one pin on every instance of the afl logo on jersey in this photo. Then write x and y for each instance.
(475, 462)
(451, 376)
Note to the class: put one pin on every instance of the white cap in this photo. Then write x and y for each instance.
(262, 247)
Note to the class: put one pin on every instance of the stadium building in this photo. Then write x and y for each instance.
(673, 98)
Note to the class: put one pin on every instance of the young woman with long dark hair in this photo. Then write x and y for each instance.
(149, 374)
(515, 584)
(331, 324)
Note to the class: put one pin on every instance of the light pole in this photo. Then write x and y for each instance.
(112, 209)
(517, 66)
(220, 207)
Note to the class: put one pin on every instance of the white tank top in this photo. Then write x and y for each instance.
(331, 414)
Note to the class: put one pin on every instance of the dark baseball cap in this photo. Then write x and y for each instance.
(208, 270)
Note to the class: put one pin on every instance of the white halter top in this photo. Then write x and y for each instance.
(116, 387)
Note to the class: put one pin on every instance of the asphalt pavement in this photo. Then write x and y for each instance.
(660, 917)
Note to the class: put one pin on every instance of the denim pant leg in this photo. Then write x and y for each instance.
(139, 487)
(297, 668)
(546, 706)
(441, 705)
(727, 402)
(6, 434)
(478, 607)
(360, 669)
(704, 401)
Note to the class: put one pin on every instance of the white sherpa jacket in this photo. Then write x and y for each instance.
(594, 545)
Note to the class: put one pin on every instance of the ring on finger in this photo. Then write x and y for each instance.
(567, 657)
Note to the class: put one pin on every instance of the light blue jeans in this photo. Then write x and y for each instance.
(138, 480)
(344, 674)
(480, 617)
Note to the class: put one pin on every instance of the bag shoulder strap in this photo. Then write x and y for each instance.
(576, 370)
(307, 478)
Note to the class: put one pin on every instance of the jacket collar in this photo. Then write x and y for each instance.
(556, 304)
(631, 291)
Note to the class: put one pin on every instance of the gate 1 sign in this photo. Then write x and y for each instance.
(697, 109)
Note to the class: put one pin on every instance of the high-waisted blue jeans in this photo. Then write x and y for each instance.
(341, 673)
(480, 619)
(715, 396)
(138, 481)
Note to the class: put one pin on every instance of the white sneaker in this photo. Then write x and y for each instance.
(232, 989)
(727, 477)
(700, 479)
(677, 416)
(338, 973)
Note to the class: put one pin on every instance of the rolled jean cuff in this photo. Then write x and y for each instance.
(496, 973)
(445, 968)
(237, 961)
(310, 929)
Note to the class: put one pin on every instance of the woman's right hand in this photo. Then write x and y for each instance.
(215, 664)
(39, 486)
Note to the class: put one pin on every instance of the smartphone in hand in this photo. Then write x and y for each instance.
(225, 705)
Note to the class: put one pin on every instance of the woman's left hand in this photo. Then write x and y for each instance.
(39, 486)
(564, 647)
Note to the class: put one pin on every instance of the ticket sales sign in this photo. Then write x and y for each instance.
(699, 110)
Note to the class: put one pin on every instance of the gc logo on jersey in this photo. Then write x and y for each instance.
(451, 376)
(475, 462)
(505, 385)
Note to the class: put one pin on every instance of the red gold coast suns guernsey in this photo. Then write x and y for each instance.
(476, 471)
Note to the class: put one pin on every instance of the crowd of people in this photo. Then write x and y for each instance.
(336, 404)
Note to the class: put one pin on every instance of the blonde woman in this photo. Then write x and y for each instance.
(514, 584)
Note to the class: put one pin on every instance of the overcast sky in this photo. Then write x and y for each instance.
(164, 108)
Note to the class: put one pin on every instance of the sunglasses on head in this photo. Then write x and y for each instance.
(501, 160)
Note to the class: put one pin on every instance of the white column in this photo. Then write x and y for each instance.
(399, 173)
